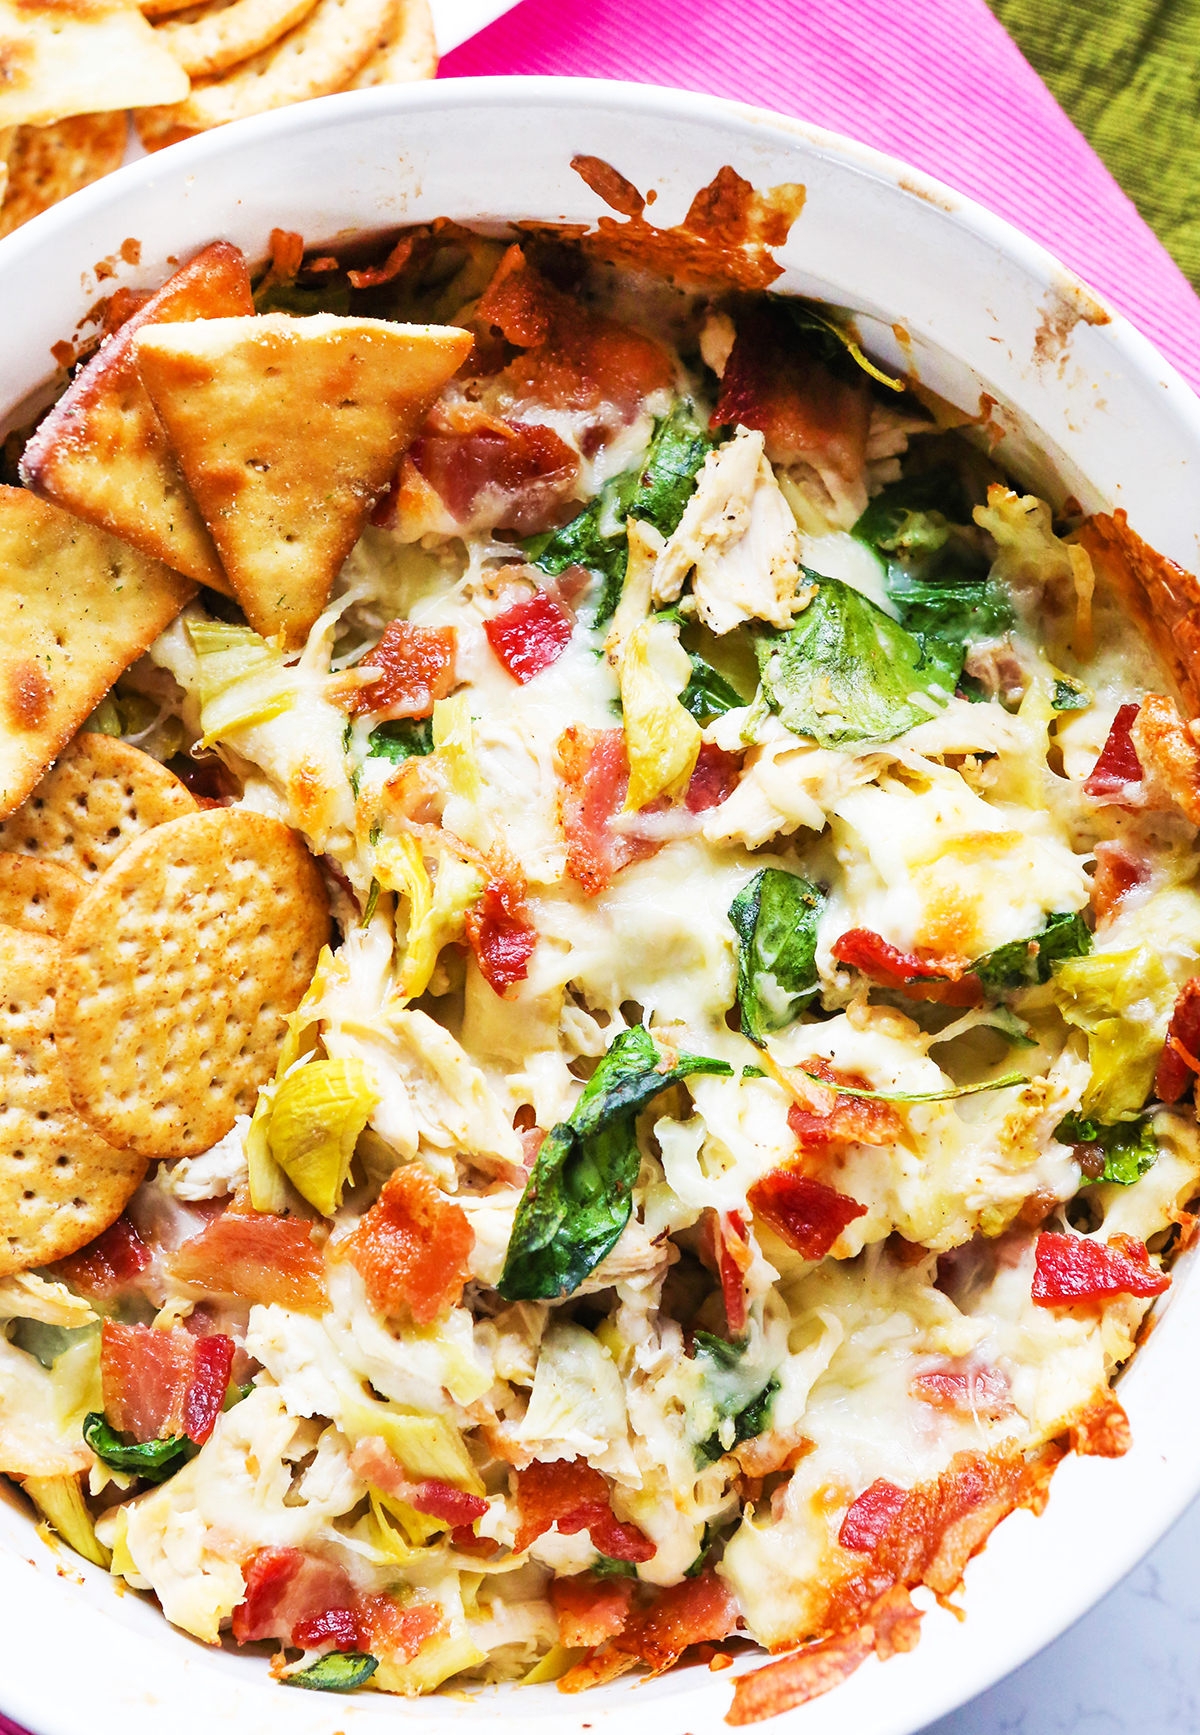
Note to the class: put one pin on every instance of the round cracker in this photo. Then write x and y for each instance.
(317, 58)
(211, 38)
(95, 799)
(39, 897)
(179, 970)
(406, 51)
(45, 164)
(61, 1184)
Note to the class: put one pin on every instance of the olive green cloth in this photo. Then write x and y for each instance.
(1128, 74)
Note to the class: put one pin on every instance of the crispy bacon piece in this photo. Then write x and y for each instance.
(804, 1212)
(372, 275)
(411, 1248)
(1116, 777)
(1180, 1062)
(805, 413)
(1158, 596)
(943, 1522)
(387, 1630)
(112, 1262)
(255, 1258)
(502, 936)
(161, 1383)
(796, 1679)
(530, 635)
(777, 1449)
(697, 1611)
(964, 1390)
(418, 669)
(870, 1515)
(1118, 872)
(714, 779)
(572, 1495)
(493, 474)
(590, 1609)
(595, 771)
(1101, 1428)
(372, 1461)
(1072, 1269)
(732, 1255)
(574, 359)
(288, 1591)
(862, 949)
(834, 1118)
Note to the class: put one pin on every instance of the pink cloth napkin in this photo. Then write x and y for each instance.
(936, 82)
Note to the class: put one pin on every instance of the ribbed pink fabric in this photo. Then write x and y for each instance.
(936, 82)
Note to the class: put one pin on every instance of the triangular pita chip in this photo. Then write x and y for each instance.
(64, 57)
(288, 430)
(102, 453)
(76, 608)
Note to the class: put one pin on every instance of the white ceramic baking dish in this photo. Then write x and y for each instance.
(1090, 409)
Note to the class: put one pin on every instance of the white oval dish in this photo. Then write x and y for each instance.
(1089, 409)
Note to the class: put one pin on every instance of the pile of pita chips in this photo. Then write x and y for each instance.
(254, 55)
(101, 452)
(44, 164)
(287, 431)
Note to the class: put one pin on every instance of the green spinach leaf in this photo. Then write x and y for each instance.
(580, 1192)
(830, 339)
(845, 671)
(153, 1460)
(339, 1672)
(1069, 695)
(406, 738)
(775, 917)
(725, 1379)
(1129, 1148)
(656, 492)
(936, 577)
(1021, 963)
(604, 1566)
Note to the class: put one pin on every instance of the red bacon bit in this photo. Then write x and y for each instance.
(288, 1591)
(797, 1679)
(572, 1495)
(158, 1384)
(802, 409)
(574, 359)
(714, 779)
(595, 772)
(411, 1248)
(964, 1391)
(418, 669)
(372, 275)
(336, 1629)
(590, 1609)
(945, 1521)
(440, 1500)
(1101, 1428)
(501, 934)
(870, 1516)
(254, 1257)
(387, 1630)
(1118, 873)
(864, 950)
(372, 1461)
(732, 1256)
(1072, 1269)
(804, 1212)
(835, 1118)
(493, 474)
(112, 1262)
(698, 1611)
(1179, 1063)
(1116, 777)
(530, 636)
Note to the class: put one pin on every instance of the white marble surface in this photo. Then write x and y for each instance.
(1132, 1665)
